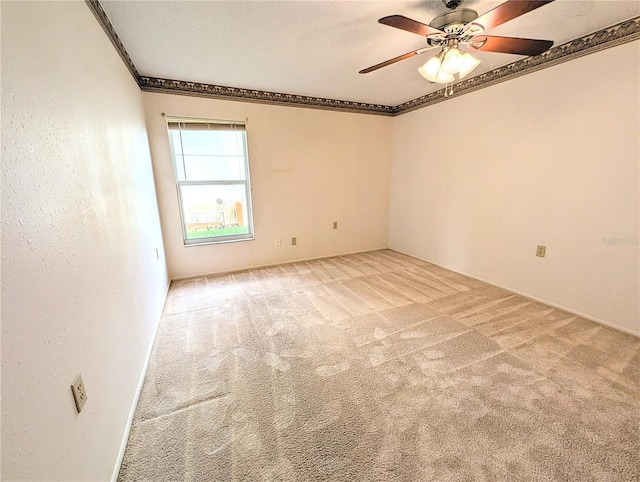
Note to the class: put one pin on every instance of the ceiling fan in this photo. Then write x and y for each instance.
(463, 27)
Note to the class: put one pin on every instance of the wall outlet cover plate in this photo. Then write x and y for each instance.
(79, 392)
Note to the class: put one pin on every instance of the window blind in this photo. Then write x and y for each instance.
(177, 125)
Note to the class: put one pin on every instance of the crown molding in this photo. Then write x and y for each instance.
(618, 34)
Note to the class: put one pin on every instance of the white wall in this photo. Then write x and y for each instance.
(82, 290)
(308, 168)
(550, 158)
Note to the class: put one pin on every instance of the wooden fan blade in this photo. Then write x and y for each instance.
(508, 11)
(510, 45)
(405, 23)
(408, 55)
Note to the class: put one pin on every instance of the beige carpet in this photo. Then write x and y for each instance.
(380, 367)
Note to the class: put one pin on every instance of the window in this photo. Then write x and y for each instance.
(212, 177)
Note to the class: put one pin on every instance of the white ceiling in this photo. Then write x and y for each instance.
(316, 48)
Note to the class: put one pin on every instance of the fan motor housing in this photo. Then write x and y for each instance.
(452, 22)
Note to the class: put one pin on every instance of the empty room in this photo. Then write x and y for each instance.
(320, 240)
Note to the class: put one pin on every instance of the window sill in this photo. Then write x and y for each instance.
(209, 241)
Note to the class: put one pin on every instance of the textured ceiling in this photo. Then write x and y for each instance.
(316, 48)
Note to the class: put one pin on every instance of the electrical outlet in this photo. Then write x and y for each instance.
(294, 241)
(278, 242)
(541, 251)
(335, 225)
(79, 392)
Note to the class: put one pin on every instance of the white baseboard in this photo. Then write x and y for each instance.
(527, 295)
(127, 431)
(277, 263)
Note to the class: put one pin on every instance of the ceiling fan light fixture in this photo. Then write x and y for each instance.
(434, 69)
(452, 61)
(469, 62)
(430, 69)
(462, 26)
(442, 78)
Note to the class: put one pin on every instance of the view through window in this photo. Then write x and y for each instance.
(212, 175)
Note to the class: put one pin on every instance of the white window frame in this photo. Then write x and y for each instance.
(215, 124)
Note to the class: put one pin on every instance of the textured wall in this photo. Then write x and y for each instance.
(550, 158)
(82, 289)
(308, 169)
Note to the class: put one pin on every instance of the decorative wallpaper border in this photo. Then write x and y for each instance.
(619, 34)
(104, 21)
(152, 84)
